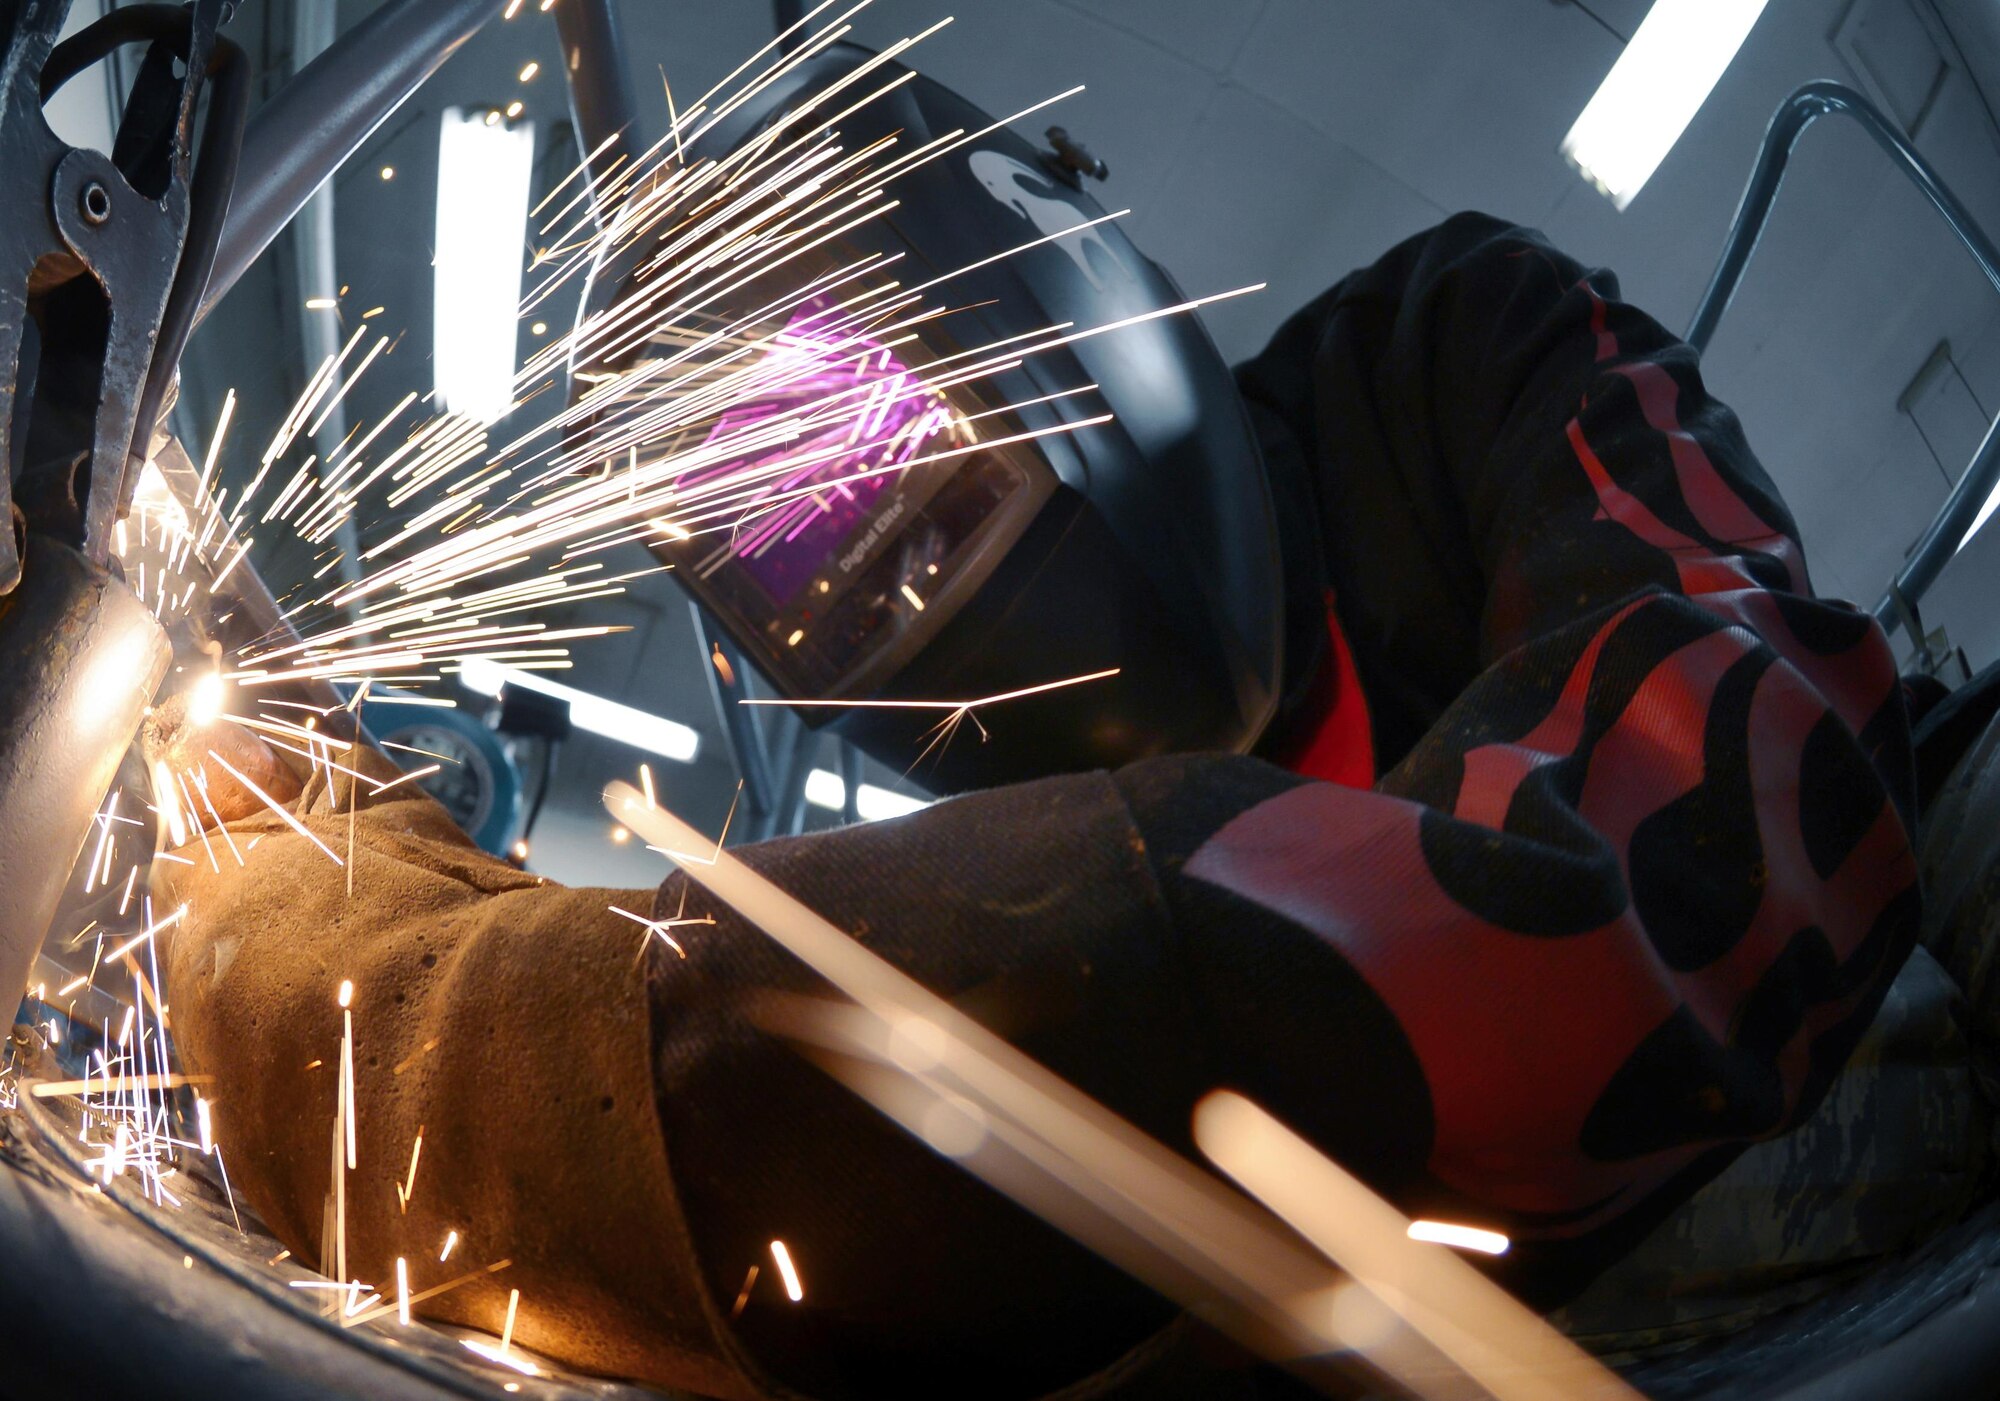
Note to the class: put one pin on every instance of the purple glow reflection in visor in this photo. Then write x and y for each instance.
(831, 409)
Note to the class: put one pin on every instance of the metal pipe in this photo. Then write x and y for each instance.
(850, 780)
(600, 99)
(1940, 542)
(315, 26)
(787, 816)
(742, 729)
(325, 114)
(1794, 115)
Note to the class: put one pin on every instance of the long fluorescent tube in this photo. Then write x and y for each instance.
(825, 789)
(1651, 94)
(668, 738)
(485, 169)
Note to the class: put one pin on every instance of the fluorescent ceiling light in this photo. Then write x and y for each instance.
(484, 174)
(824, 789)
(655, 733)
(1654, 90)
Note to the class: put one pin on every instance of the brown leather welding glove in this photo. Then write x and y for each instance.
(502, 1017)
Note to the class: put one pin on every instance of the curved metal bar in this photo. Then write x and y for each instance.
(850, 779)
(742, 726)
(1936, 546)
(600, 99)
(1947, 530)
(1794, 115)
(324, 115)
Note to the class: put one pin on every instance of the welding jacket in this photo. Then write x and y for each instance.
(1631, 878)
(1619, 874)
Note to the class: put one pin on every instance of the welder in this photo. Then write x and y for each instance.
(1565, 852)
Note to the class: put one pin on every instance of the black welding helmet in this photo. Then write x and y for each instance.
(934, 550)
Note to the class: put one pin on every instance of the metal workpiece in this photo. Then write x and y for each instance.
(323, 116)
(83, 657)
(600, 99)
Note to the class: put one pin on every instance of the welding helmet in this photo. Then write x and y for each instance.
(1100, 505)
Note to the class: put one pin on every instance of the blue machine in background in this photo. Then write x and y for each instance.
(476, 781)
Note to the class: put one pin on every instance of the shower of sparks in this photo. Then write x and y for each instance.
(414, 1056)
(1463, 1237)
(118, 1084)
(480, 1348)
(274, 805)
(359, 1318)
(958, 712)
(343, 1160)
(951, 705)
(743, 1294)
(507, 1334)
(146, 934)
(347, 1079)
(699, 417)
(126, 1113)
(793, 1289)
(405, 1188)
(757, 373)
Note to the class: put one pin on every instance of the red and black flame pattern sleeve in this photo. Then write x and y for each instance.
(1633, 881)
(1628, 898)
